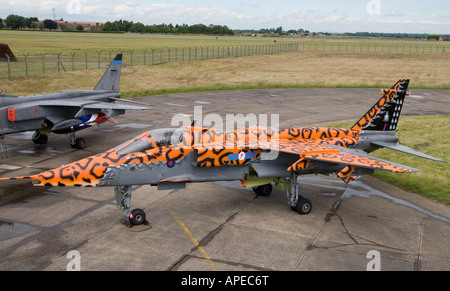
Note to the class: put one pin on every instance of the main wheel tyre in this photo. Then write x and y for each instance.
(263, 190)
(304, 206)
(80, 143)
(39, 138)
(137, 216)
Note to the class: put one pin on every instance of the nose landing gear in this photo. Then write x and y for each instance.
(123, 200)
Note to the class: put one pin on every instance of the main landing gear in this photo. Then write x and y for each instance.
(298, 203)
(76, 142)
(123, 200)
(39, 138)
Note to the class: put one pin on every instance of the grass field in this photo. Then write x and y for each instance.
(318, 62)
(37, 42)
(296, 69)
(427, 134)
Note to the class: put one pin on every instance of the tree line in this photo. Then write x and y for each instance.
(391, 35)
(19, 22)
(138, 27)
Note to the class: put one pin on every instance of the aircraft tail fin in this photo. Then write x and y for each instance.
(111, 78)
(383, 117)
(384, 114)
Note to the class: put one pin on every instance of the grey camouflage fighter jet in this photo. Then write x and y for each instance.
(65, 112)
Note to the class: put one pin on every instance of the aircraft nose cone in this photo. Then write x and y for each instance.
(86, 172)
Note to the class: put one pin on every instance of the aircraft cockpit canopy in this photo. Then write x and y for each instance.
(148, 140)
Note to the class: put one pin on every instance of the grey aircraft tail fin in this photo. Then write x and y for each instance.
(111, 78)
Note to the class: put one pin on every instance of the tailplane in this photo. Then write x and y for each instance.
(111, 78)
(384, 115)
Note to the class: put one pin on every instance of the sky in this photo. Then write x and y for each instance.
(390, 16)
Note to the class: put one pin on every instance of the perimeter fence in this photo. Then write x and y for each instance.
(32, 65)
(374, 48)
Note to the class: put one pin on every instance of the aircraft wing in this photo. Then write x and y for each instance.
(90, 107)
(77, 107)
(31, 115)
(313, 150)
(358, 160)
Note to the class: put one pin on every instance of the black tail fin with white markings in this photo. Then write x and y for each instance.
(111, 78)
(384, 115)
(379, 124)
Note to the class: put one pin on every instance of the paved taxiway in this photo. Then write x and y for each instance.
(236, 230)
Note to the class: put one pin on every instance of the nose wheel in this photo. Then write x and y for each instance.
(138, 217)
(123, 201)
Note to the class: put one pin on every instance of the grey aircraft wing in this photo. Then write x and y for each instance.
(59, 110)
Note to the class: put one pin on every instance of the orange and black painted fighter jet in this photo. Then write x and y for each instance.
(170, 158)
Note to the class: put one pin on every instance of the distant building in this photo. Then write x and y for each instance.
(87, 26)
(444, 38)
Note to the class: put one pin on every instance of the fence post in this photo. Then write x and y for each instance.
(85, 58)
(73, 61)
(9, 66)
(43, 64)
(98, 58)
(144, 57)
(26, 65)
(132, 57)
(58, 65)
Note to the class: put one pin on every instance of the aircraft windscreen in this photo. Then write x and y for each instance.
(164, 136)
(140, 143)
